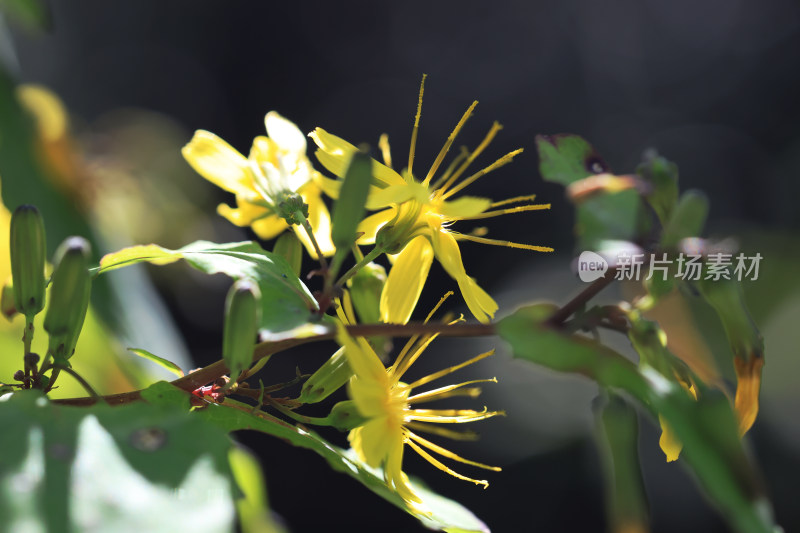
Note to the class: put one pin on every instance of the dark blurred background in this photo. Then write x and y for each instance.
(711, 84)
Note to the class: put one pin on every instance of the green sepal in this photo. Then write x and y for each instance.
(329, 378)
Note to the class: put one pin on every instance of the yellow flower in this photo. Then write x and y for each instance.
(275, 170)
(415, 217)
(387, 403)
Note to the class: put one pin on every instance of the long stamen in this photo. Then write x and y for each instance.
(507, 244)
(415, 131)
(383, 144)
(446, 391)
(481, 147)
(447, 173)
(405, 364)
(443, 432)
(449, 416)
(516, 199)
(436, 307)
(438, 464)
(508, 211)
(448, 143)
(506, 159)
(450, 455)
(441, 373)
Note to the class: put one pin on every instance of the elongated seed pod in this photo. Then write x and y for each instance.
(71, 287)
(327, 379)
(242, 318)
(28, 250)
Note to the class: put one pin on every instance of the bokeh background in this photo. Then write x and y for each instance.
(710, 84)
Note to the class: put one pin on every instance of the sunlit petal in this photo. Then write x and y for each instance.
(218, 162)
(285, 133)
(405, 281)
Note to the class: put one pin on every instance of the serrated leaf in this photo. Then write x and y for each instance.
(69, 468)
(662, 175)
(160, 361)
(233, 416)
(286, 302)
(686, 220)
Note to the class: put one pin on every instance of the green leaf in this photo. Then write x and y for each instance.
(567, 158)
(30, 13)
(253, 508)
(707, 427)
(73, 469)
(348, 211)
(662, 175)
(160, 361)
(286, 302)
(604, 216)
(687, 219)
(617, 436)
(445, 514)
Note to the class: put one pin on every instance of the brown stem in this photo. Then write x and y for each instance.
(558, 318)
(217, 369)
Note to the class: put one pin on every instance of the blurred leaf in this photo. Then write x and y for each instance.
(33, 14)
(746, 343)
(233, 416)
(567, 158)
(662, 175)
(286, 302)
(687, 219)
(618, 435)
(129, 468)
(608, 215)
(160, 361)
(707, 427)
(253, 509)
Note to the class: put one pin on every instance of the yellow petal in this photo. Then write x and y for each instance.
(263, 150)
(218, 162)
(396, 194)
(466, 206)
(396, 478)
(269, 227)
(379, 437)
(669, 443)
(447, 252)
(362, 358)
(369, 396)
(329, 187)
(479, 302)
(285, 133)
(320, 220)
(334, 154)
(405, 281)
(370, 225)
(748, 375)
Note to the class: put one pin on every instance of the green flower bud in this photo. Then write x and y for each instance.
(71, 286)
(348, 211)
(345, 416)
(290, 248)
(242, 319)
(686, 220)
(365, 290)
(28, 252)
(327, 379)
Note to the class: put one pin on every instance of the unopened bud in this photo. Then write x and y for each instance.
(28, 250)
(327, 379)
(242, 319)
(69, 296)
